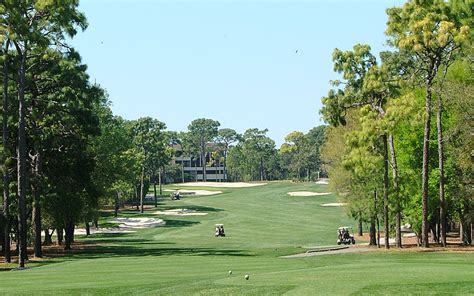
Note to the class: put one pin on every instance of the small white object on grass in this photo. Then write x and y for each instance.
(247, 276)
(230, 271)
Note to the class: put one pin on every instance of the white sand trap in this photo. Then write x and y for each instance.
(125, 225)
(307, 193)
(322, 182)
(138, 223)
(111, 230)
(335, 204)
(180, 212)
(221, 184)
(195, 192)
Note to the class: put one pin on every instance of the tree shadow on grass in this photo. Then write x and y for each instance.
(152, 249)
(191, 207)
(179, 223)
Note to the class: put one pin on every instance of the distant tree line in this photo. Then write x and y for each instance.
(399, 149)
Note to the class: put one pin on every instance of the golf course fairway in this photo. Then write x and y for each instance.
(262, 224)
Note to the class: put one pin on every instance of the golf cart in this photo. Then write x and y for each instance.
(220, 230)
(345, 236)
(175, 196)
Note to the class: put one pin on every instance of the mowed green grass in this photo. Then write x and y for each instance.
(262, 224)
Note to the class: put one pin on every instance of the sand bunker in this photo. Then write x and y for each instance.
(137, 223)
(221, 184)
(125, 225)
(111, 230)
(307, 193)
(180, 212)
(194, 192)
(323, 182)
(335, 204)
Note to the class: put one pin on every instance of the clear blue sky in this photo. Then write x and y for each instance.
(233, 61)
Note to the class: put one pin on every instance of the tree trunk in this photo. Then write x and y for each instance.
(6, 179)
(117, 203)
(69, 235)
(195, 171)
(376, 217)
(225, 165)
(38, 252)
(142, 188)
(442, 202)
(21, 162)
(472, 233)
(386, 222)
(361, 233)
(372, 233)
(154, 193)
(136, 197)
(425, 175)
(60, 234)
(88, 228)
(398, 211)
(204, 163)
(434, 233)
(160, 183)
(48, 237)
(182, 171)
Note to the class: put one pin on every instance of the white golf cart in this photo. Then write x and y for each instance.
(345, 236)
(219, 230)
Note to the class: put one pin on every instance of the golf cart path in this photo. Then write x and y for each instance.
(330, 251)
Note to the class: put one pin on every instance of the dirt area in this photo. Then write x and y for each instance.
(410, 243)
(453, 246)
(220, 184)
(180, 212)
(194, 192)
(307, 193)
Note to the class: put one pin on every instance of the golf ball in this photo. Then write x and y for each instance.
(230, 271)
(247, 277)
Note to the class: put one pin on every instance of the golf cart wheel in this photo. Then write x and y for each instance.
(338, 242)
(353, 241)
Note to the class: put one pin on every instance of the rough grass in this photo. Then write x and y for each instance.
(262, 224)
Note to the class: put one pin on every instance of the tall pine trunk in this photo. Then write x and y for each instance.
(398, 211)
(154, 192)
(442, 202)
(376, 217)
(386, 222)
(6, 179)
(426, 145)
(36, 186)
(142, 188)
(117, 203)
(225, 165)
(160, 183)
(204, 163)
(21, 161)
